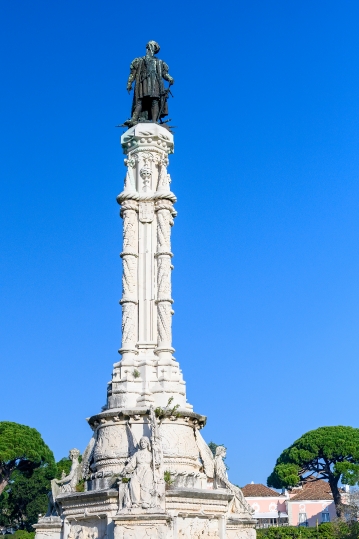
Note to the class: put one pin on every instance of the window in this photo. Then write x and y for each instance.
(303, 519)
(325, 516)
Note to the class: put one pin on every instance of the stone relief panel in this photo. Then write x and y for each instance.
(112, 442)
(129, 275)
(147, 531)
(178, 441)
(164, 318)
(239, 532)
(164, 276)
(128, 323)
(164, 223)
(198, 528)
(89, 529)
(129, 229)
(147, 212)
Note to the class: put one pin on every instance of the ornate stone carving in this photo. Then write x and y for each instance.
(87, 457)
(128, 323)
(112, 442)
(145, 485)
(164, 277)
(164, 321)
(146, 175)
(129, 226)
(146, 530)
(197, 528)
(129, 276)
(68, 482)
(179, 441)
(147, 212)
(95, 529)
(164, 223)
(220, 480)
(205, 454)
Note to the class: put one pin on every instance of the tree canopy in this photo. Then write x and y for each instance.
(21, 449)
(329, 453)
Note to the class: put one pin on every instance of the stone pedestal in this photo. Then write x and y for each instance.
(147, 394)
(49, 527)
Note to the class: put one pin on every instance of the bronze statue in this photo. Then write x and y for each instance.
(150, 96)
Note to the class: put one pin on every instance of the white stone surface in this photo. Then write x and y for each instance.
(147, 395)
(148, 373)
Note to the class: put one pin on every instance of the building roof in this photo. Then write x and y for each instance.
(257, 490)
(313, 490)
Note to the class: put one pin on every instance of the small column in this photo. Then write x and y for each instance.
(165, 213)
(129, 301)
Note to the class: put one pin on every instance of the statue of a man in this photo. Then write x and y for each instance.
(150, 96)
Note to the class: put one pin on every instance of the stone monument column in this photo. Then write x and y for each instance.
(148, 374)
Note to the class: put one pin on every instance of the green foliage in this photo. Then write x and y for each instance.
(125, 480)
(26, 467)
(21, 449)
(136, 373)
(213, 447)
(329, 453)
(80, 487)
(333, 530)
(64, 465)
(25, 498)
(23, 534)
(167, 477)
(167, 411)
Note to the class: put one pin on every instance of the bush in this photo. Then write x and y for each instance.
(20, 534)
(332, 530)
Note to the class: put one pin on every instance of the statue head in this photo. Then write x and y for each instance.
(144, 442)
(153, 46)
(74, 454)
(221, 451)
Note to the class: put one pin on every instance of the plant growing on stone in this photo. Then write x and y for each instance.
(136, 373)
(80, 487)
(329, 453)
(166, 411)
(168, 478)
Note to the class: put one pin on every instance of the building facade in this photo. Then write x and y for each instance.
(306, 505)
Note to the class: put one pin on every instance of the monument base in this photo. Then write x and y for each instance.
(189, 513)
(49, 528)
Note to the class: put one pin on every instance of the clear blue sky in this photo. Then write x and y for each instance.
(266, 240)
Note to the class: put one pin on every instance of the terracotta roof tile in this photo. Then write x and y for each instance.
(258, 490)
(313, 490)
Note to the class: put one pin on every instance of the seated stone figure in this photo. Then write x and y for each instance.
(68, 482)
(220, 480)
(142, 490)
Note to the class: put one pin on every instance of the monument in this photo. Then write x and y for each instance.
(147, 472)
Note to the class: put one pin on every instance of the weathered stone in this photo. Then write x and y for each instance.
(148, 472)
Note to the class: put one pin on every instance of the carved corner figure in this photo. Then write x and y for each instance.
(150, 96)
(68, 482)
(220, 480)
